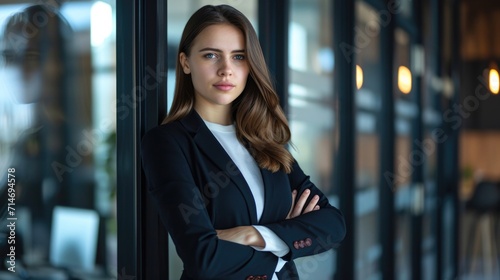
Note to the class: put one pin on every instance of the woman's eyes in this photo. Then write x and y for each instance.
(210, 55)
(216, 56)
(239, 57)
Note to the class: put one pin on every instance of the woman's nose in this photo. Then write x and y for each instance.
(225, 68)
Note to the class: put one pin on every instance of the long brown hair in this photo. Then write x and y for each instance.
(261, 124)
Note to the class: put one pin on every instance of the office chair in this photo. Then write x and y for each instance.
(484, 205)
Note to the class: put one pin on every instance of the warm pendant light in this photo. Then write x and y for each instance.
(493, 79)
(359, 76)
(404, 79)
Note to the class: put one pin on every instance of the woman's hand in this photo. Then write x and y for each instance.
(244, 235)
(248, 235)
(298, 209)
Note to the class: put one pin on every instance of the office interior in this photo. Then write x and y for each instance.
(392, 104)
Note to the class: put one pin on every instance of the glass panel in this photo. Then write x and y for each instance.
(368, 102)
(431, 122)
(178, 14)
(405, 6)
(311, 106)
(405, 112)
(428, 231)
(57, 115)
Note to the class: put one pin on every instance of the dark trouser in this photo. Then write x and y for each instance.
(288, 272)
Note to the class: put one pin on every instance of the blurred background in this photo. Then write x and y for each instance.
(393, 107)
(58, 130)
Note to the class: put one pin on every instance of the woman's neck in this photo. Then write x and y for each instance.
(220, 115)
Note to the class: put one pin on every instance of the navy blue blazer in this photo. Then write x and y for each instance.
(197, 189)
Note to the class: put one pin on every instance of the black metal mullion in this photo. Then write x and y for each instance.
(273, 35)
(343, 31)
(386, 219)
(141, 83)
(151, 79)
(127, 210)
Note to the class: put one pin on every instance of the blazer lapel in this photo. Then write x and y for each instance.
(278, 196)
(269, 187)
(211, 147)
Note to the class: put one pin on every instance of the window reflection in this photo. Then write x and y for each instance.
(57, 131)
(312, 104)
(368, 104)
(312, 108)
(431, 120)
(405, 113)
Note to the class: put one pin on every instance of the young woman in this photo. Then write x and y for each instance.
(232, 197)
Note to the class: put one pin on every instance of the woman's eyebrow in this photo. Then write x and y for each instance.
(219, 50)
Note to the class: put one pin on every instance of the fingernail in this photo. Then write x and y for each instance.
(294, 191)
(316, 197)
(307, 191)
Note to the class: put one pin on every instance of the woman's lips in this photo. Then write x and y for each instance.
(224, 86)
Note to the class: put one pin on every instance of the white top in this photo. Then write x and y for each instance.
(226, 135)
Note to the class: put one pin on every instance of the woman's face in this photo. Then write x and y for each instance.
(22, 73)
(32, 66)
(218, 66)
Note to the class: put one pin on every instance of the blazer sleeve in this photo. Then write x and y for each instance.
(314, 232)
(183, 212)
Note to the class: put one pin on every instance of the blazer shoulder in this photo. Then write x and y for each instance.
(182, 129)
(170, 132)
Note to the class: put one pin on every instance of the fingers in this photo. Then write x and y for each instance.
(312, 205)
(294, 195)
(299, 206)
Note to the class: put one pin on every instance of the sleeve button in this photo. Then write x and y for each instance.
(308, 242)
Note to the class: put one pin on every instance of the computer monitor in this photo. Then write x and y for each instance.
(74, 238)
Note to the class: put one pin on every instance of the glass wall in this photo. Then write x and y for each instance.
(405, 113)
(431, 119)
(58, 114)
(312, 108)
(57, 119)
(368, 104)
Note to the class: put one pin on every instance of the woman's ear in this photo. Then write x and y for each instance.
(183, 59)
